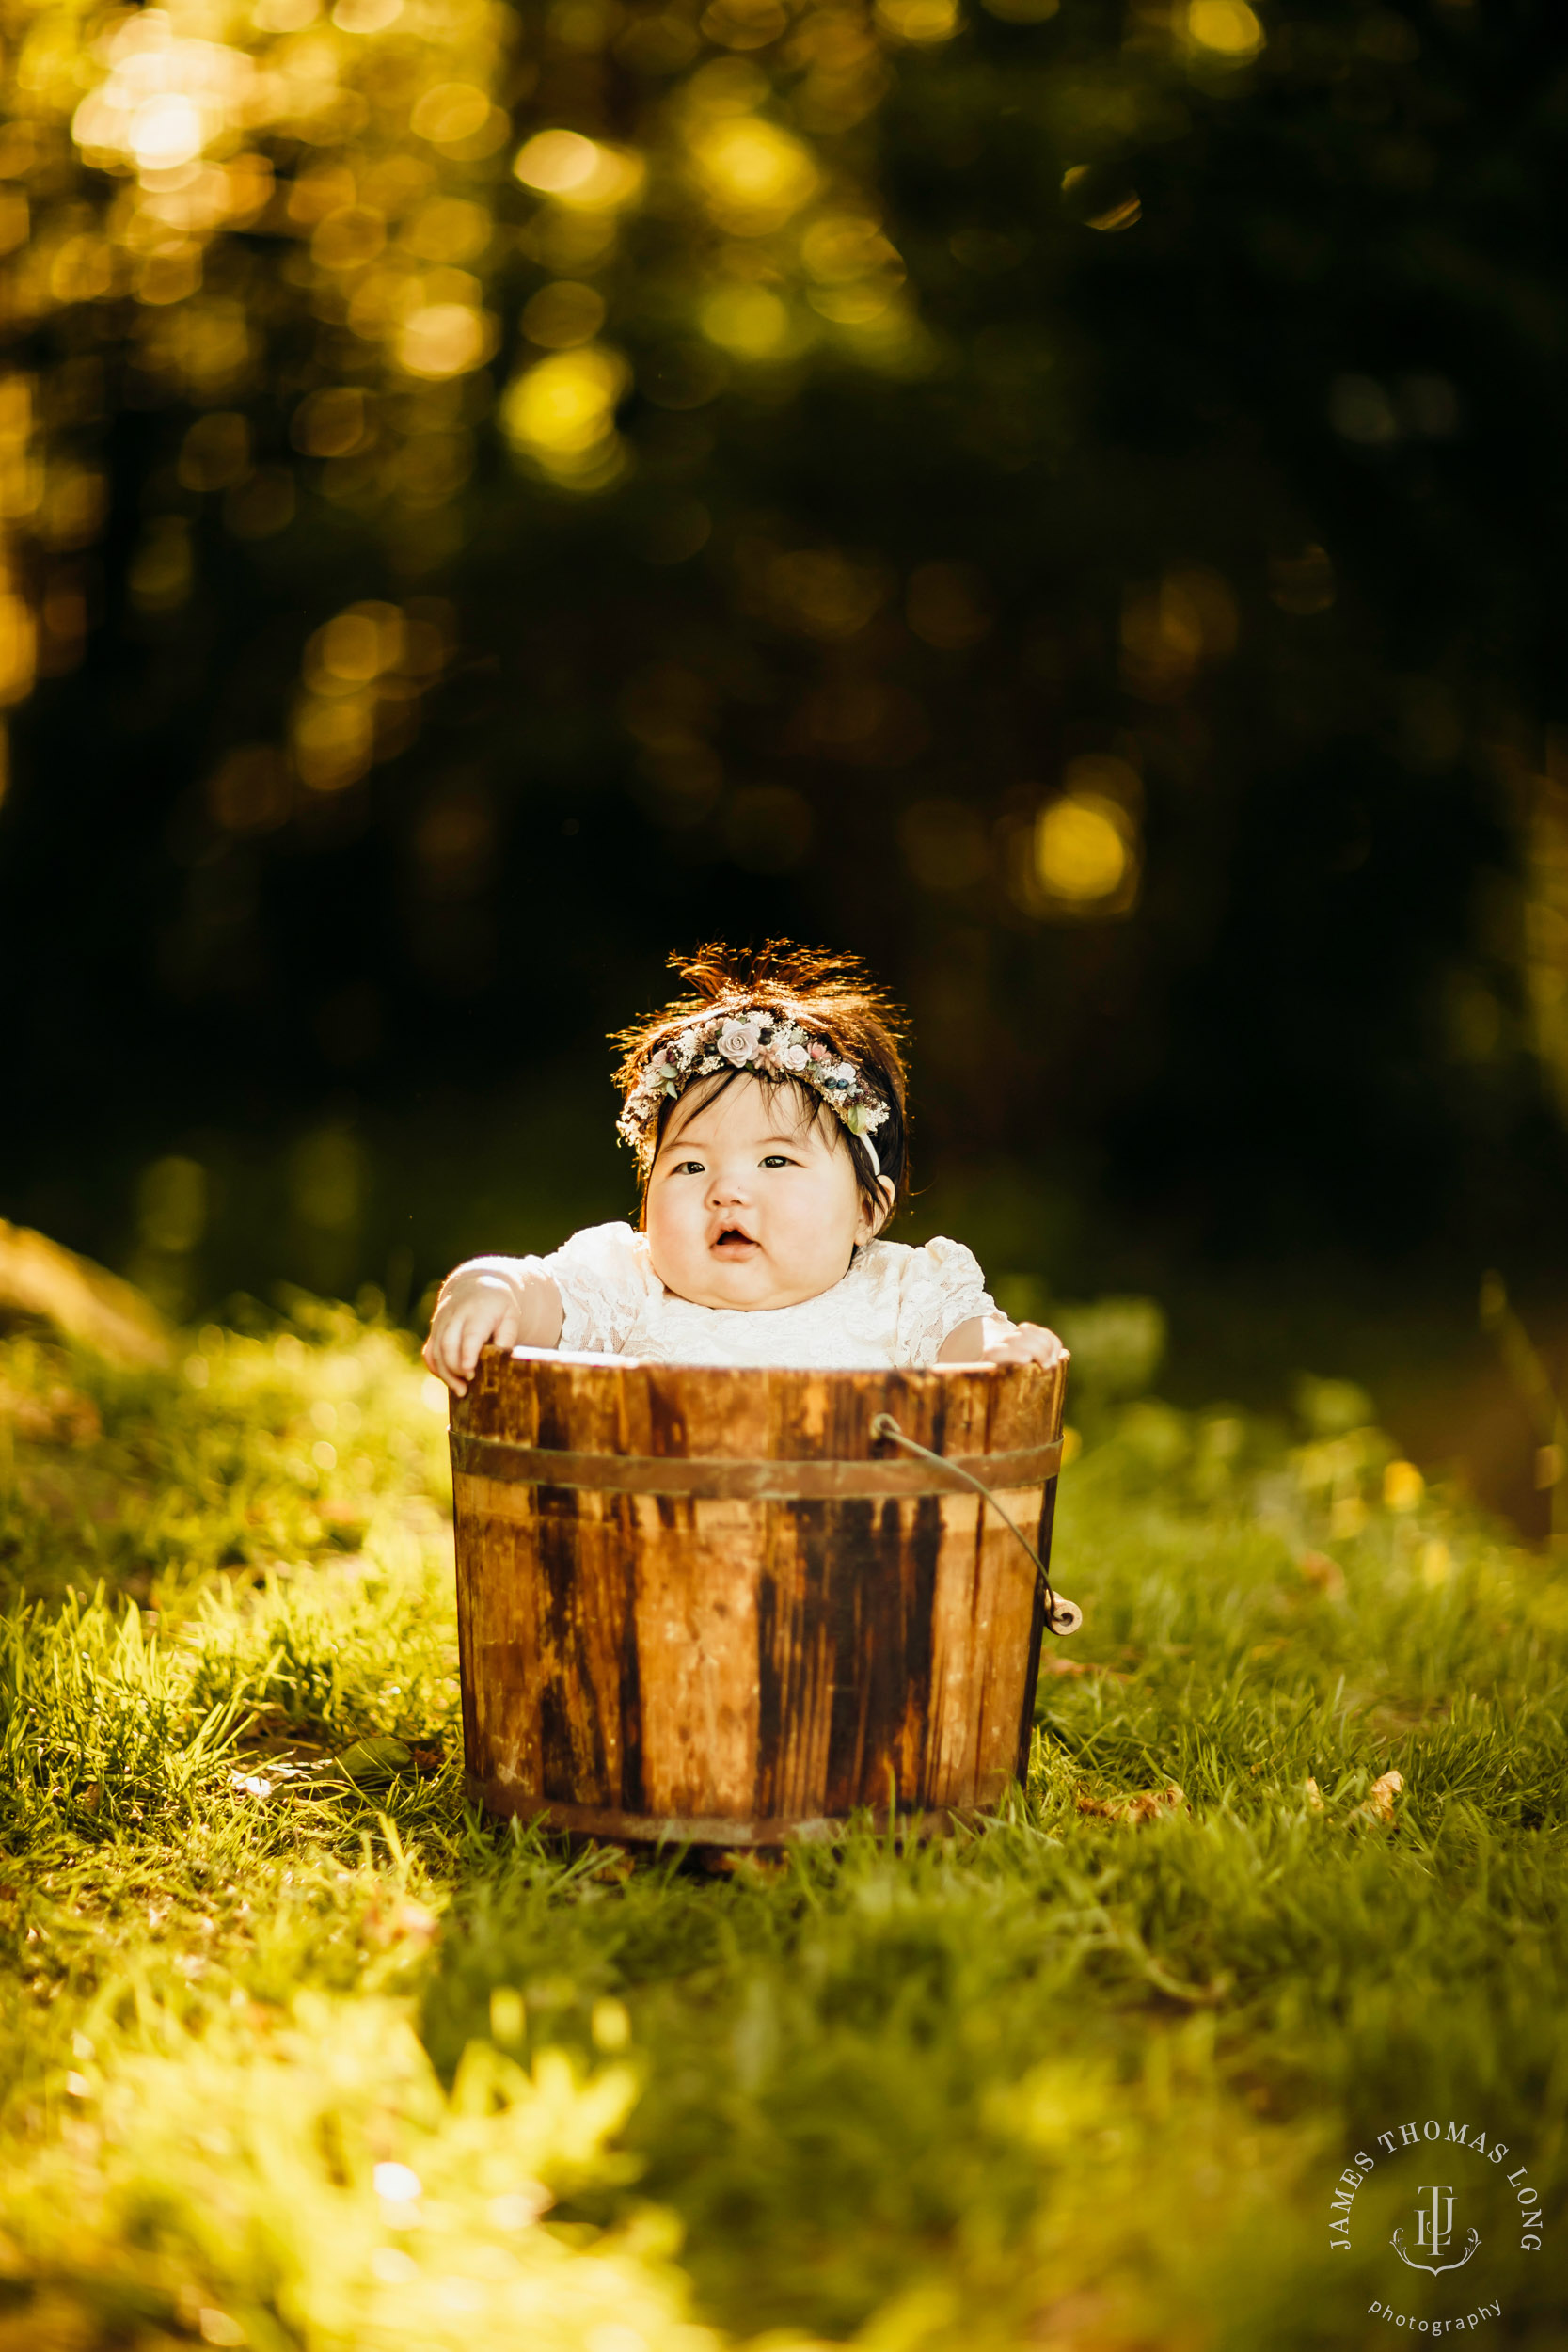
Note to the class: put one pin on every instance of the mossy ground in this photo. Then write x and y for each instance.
(301, 2055)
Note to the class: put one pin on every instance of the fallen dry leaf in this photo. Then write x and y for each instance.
(1147, 1804)
(1379, 1802)
(1324, 1575)
(1313, 1795)
(402, 1921)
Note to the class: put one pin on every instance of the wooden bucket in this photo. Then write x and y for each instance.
(707, 1604)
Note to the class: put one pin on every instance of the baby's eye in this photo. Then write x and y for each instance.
(778, 1159)
(687, 1167)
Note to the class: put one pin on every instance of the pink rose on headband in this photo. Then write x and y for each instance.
(817, 1052)
(796, 1057)
(738, 1040)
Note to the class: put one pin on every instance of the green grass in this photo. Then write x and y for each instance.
(1084, 2078)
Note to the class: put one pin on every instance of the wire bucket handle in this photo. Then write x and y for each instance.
(1062, 1615)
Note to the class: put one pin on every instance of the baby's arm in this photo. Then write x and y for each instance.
(992, 1340)
(490, 1302)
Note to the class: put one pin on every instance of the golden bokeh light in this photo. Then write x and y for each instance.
(261, 506)
(445, 339)
(823, 594)
(251, 790)
(366, 16)
(355, 647)
(557, 162)
(1226, 28)
(1109, 776)
(449, 229)
(921, 22)
(750, 322)
(333, 740)
(349, 238)
(562, 315)
(362, 676)
(332, 423)
(215, 451)
(75, 502)
(1100, 201)
(560, 414)
(459, 117)
(162, 572)
(1169, 632)
(1402, 1486)
(357, 145)
(18, 647)
(839, 249)
(744, 23)
(754, 175)
(1083, 850)
(165, 99)
(580, 172)
(285, 16)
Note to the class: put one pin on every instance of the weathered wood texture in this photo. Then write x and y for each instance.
(647, 1665)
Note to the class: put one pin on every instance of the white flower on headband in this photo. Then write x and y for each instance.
(738, 1041)
(760, 1041)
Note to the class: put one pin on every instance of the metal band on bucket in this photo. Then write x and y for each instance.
(714, 1477)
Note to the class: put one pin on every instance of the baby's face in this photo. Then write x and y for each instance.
(749, 1208)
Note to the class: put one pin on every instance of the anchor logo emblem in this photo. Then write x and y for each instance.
(1434, 2232)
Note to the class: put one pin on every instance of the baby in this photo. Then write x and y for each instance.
(767, 1118)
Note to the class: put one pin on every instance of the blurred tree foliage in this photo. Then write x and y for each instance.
(1065, 499)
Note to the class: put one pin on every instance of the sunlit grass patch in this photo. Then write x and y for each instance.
(1290, 1863)
(299, 2176)
(254, 1450)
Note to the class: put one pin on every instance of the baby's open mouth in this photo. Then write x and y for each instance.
(733, 1243)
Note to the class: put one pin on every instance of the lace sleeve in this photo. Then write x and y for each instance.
(604, 1279)
(942, 1287)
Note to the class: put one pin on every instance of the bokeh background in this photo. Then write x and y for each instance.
(1062, 499)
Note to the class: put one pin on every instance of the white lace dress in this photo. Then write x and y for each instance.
(896, 1305)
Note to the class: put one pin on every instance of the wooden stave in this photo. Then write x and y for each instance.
(593, 1556)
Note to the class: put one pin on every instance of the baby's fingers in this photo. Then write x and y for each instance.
(437, 1354)
(1030, 1343)
(1034, 1345)
(473, 1330)
(452, 1348)
(1043, 1346)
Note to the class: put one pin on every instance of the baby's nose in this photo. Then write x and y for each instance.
(727, 1185)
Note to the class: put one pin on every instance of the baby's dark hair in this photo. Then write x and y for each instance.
(831, 997)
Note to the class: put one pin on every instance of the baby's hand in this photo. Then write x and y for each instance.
(992, 1340)
(474, 1311)
(1026, 1344)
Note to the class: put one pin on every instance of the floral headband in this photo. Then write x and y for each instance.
(771, 1043)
